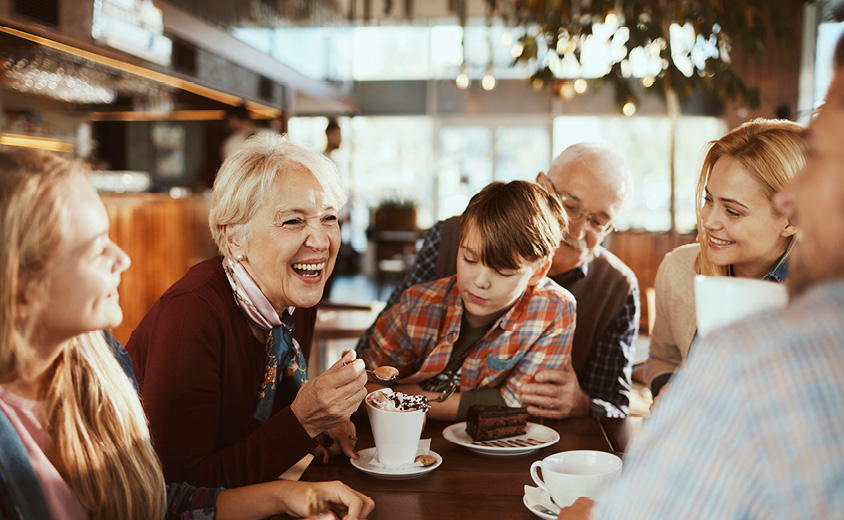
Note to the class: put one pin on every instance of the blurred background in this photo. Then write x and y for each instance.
(419, 103)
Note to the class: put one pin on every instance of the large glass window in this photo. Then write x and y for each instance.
(521, 152)
(476, 152)
(465, 166)
(828, 35)
(403, 52)
(644, 143)
(440, 164)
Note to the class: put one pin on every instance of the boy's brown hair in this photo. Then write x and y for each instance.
(514, 219)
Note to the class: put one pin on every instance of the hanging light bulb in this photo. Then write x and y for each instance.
(629, 108)
(506, 38)
(517, 49)
(488, 81)
(567, 91)
(611, 19)
(580, 85)
(462, 80)
(648, 81)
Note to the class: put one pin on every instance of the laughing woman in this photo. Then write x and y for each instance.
(222, 378)
(73, 439)
(740, 232)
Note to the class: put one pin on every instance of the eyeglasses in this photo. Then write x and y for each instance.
(599, 224)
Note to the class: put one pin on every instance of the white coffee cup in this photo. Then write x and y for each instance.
(569, 475)
(396, 433)
(722, 300)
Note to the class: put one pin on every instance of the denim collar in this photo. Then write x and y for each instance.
(778, 273)
(780, 270)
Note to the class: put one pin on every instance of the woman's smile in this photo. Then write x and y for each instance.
(717, 243)
(310, 270)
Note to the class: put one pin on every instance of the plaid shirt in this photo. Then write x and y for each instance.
(418, 335)
(607, 381)
(752, 427)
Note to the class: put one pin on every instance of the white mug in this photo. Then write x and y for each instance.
(569, 475)
(722, 300)
(396, 433)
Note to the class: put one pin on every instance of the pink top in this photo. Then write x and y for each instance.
(24, 414)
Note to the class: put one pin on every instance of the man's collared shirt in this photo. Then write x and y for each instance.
(753, 426)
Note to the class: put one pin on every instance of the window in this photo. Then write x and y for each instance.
(644, 143)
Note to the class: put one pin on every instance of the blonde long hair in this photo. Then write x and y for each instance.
(91, 410)
(772, 150)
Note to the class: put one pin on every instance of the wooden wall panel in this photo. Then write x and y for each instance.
(164, 237)
(643, 252)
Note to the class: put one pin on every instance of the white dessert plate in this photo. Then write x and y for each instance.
(393, 474)
(539, 503)
(536, 436)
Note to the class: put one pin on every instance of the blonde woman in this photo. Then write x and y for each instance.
(740, 232)
(73, 437)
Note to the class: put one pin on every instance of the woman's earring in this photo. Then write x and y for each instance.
(239, 258)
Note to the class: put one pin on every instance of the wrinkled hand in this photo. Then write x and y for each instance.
(296, 502)
(328, 400)
(580, 510)
(341, 439)
(555, 394)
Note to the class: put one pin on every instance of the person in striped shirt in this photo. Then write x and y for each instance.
(494, 324)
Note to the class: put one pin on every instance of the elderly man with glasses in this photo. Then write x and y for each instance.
(592, 183)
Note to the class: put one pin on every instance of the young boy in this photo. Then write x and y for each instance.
(494, 324)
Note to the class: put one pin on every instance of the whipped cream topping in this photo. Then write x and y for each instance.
(399, 402)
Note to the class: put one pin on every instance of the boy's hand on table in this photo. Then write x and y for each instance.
(555, 394)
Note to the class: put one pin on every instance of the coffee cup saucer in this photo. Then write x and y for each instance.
(403, 473)
(539, 502)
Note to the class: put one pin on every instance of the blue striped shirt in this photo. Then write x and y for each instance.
(753, 426)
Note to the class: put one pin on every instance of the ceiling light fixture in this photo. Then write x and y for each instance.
(165, 79)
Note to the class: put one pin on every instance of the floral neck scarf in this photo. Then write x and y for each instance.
(282, 350)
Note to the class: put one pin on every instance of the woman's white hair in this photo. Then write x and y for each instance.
(247, 175)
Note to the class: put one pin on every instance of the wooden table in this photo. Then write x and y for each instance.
(619, 432)
(467, 485)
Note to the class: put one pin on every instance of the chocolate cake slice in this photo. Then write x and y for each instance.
(486, 423)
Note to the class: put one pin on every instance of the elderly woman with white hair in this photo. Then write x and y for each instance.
(222, 378)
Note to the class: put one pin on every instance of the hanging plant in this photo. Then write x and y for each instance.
(687, 43)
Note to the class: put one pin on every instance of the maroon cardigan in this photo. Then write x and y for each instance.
(199, 368)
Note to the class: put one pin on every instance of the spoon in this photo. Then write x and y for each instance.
(445, 394)
(384, 373)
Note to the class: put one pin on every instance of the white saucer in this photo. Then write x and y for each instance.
(393, 474)
(456, 433)
(539, 503)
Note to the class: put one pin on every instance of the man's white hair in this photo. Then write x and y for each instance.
(602, 159)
